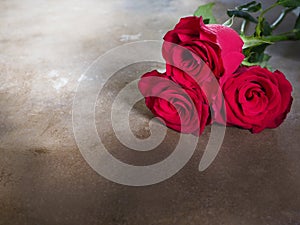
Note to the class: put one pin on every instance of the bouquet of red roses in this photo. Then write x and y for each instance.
(217, 75)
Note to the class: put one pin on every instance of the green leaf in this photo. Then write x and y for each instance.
(206, 12)
(256, 56)
(263, 62)
(250, 7)
(254, 8)
(289, 3)
(297, 24)
(241, 14)
(259, 27)
(266, 28)
(262, 28)
(247, 5)
(206, 21)
(246, 63)
(253, 41)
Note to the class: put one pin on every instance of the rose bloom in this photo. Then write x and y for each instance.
(256, 98)
(192, 44)
(181, 109)
(209, 86)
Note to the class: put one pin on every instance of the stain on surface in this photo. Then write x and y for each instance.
(40, 151)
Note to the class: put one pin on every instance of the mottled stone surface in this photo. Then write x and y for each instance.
(45, 47)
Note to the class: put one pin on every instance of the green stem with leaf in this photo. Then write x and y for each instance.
(256, 44)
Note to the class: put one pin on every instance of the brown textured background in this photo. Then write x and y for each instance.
(45, 46)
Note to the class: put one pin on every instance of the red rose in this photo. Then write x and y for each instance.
(209, 86)
(256, 98)
(192, 42)
(182, 109)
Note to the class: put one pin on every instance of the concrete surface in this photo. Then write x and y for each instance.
(45, 46)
